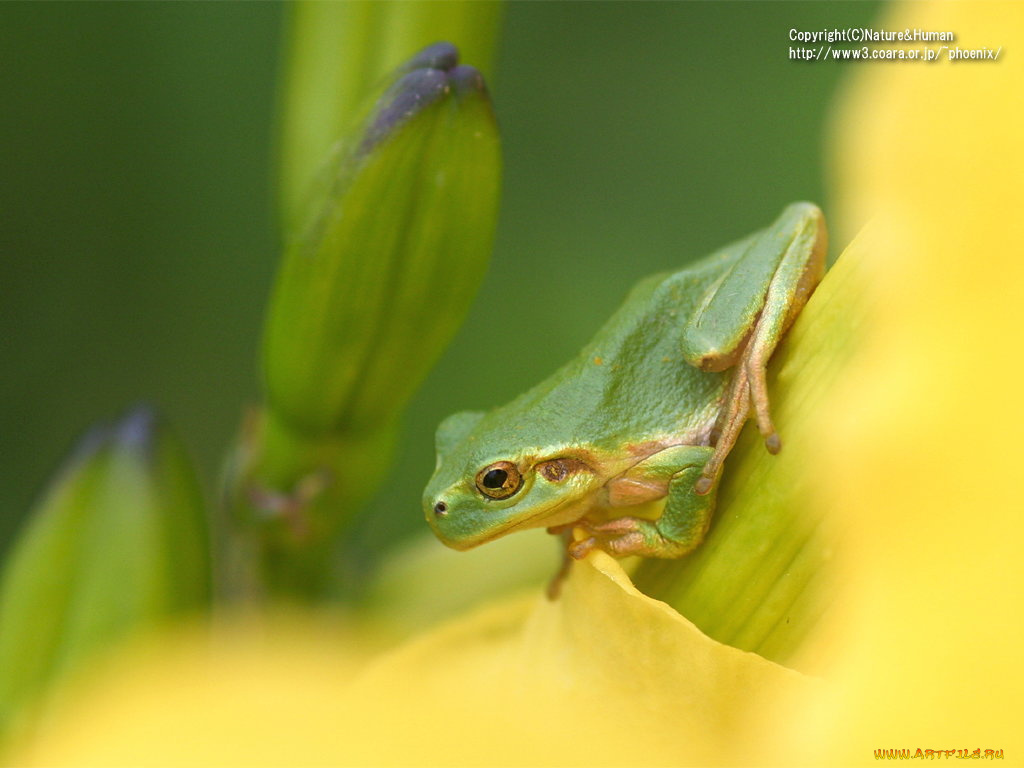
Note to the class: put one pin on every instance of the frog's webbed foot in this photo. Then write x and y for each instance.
(571, 550)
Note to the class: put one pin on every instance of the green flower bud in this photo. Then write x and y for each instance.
(394, 250)
(118, 542)
(396, 240)
(336, 52)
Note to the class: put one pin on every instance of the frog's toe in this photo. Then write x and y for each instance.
(634, 543)
(622, 536)
(580, 549)
(757, 374)
(614, 526)
(619, 537)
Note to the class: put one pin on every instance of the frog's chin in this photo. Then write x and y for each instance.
(564, 513)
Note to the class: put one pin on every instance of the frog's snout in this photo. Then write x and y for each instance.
(437, 510)
(449, 526)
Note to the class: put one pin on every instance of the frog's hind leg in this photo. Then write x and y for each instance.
(554, 588)
(745, 314)
(735, 412)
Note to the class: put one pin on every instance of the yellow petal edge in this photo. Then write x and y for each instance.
(604, 676)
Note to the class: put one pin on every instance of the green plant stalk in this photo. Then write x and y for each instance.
(339, 51)
(287, 543)
(370, 290)
(759, 581)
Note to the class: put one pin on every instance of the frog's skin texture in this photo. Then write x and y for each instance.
(627, 440)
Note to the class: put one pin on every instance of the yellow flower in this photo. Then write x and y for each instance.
(603, 676)
(923, 460)
(915, 456)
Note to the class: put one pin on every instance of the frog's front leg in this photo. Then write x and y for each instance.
(682, 524)
(744, 315)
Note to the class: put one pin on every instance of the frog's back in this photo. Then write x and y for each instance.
(631, 378)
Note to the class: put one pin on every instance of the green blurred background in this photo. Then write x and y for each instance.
(138, 230)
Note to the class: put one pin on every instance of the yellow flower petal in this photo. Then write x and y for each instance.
(405, 596)
(923, 447)
(603, 676)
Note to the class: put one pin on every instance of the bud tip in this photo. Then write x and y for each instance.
(440, 55)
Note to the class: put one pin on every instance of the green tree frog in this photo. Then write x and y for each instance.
(627, 440)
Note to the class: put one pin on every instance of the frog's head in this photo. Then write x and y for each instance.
(488, 483)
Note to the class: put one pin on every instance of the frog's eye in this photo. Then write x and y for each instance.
(499, 480)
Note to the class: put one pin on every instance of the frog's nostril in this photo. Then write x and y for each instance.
(440, 509)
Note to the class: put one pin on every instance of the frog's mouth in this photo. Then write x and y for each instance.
(536, 520)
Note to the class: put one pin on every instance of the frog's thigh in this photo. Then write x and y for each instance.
(745, 314)
(764, 288)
